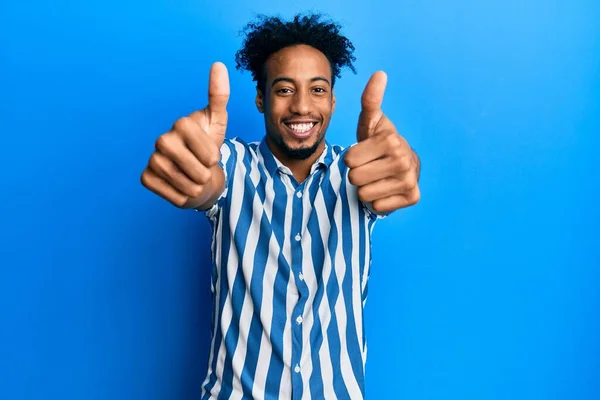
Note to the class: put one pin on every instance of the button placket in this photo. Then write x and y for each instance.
(296, 266)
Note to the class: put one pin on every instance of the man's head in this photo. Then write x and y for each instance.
(295, 65)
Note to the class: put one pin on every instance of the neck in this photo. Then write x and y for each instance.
(300, 168)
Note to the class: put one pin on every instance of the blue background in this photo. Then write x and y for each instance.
(488, 289)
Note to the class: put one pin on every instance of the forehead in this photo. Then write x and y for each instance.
(299, 62)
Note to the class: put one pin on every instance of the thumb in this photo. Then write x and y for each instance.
(218, 96)
(371, 100)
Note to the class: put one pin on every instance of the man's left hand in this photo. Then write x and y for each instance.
(382, 164)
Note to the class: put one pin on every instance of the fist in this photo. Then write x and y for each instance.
(382, 165)
(183, 166)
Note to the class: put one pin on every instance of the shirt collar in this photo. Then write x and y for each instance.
(272, 164)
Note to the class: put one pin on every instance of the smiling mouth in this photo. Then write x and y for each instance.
(301, 130)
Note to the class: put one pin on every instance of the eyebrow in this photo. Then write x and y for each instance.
(290, 80)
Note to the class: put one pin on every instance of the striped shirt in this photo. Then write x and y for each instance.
(289, 280)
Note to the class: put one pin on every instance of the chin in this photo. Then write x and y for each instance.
(295, 143)
(301, 149)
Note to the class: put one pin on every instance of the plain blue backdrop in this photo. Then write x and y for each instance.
(487, 289)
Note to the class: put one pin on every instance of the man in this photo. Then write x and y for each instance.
(291, 215)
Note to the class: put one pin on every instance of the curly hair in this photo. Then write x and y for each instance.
(267, 35)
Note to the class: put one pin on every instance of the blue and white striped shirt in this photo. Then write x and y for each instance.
(289, 281)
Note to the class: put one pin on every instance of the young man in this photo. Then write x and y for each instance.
(291, 215)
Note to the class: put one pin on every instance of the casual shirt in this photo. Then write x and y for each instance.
(291, 263)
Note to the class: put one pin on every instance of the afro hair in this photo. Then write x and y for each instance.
(268, 35)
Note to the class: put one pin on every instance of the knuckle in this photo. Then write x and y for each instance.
(392, 140)
(183, 124)
(363, 194)
(377, 207)
(404, 163)
(214, 155)
(153, 161)
(411, 182)
(352, 178)
(398, 152)
(195, 190)
(349, 159)
(414, 197)
(163, 142)
(417, 196)
(214, 160)
(158, 166)
(179, 201)
(144, 179)
(204, 177)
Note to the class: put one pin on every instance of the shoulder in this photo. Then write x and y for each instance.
(237, 143)
(238, 148)
(337, 149)
(336, 155)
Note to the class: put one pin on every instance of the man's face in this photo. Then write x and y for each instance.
(297, 101)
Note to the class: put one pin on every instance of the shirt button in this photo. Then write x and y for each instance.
(297, 369)
(301, 277)
(298, 194)
(299, 320)
(298, 237)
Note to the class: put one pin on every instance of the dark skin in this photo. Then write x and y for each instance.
(184, 167)
(297, 89)
(382, 165)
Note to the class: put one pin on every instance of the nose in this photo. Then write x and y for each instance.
(300, 103)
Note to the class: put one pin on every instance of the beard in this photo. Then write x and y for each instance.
(300, 153)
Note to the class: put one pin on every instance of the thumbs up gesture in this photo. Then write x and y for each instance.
(184, 166)
(382, 165)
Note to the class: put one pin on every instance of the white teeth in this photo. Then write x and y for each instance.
(302, 128)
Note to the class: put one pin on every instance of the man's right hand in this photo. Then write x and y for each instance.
(184, 167)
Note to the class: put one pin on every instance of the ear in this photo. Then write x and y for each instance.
(260, 100)
(332, 102)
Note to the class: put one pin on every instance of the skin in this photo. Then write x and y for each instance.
(382, 164)
(297, 88)
(184, 166)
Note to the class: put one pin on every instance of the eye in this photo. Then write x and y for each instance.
(283, 91)
(319, 90)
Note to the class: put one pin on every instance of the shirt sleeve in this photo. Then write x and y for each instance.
(368, 207)
(227, 162)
